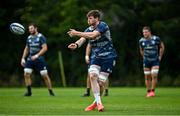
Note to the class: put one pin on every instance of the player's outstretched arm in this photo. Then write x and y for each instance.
(73, 46)
(77, 44)
(88, 35)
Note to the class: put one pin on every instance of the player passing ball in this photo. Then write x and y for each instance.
(103, 54)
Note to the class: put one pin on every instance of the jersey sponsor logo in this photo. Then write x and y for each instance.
(34, 44)
(34, 49)
(147, 52)
(100, 44)
(104, 54)
(149, 47)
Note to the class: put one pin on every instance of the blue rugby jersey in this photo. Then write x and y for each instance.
(35, 43)
(151, 47)
(102, 46)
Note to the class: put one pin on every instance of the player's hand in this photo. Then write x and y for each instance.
(160, 58)
(34, 57)
(72, 46)
(23, 62)
(72, 32)
(87, 59)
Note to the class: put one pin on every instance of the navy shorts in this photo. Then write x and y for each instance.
(150, 64)
(106, 65)
(38, 64)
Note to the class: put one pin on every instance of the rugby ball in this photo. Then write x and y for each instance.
(17, 28)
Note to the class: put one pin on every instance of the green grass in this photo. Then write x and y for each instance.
(68, 101)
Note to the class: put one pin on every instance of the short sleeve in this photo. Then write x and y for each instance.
(43, 40)
(27, 41)
(158, 40)
(102, 27)
(140, 43)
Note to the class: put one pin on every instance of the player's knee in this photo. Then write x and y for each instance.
(45, 77)
(27, 75)
(101, 83)
(148, 78)
(93, 76)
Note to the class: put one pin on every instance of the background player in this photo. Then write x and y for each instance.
(151, 49)
(34, 50)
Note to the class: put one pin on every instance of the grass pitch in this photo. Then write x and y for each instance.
(69, 101)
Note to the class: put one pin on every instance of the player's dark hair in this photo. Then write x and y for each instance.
(94, 13)
(33, 24)
(147, 28)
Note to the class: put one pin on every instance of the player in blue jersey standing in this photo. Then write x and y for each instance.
(102, 56)
(32, 58)
(151, 49)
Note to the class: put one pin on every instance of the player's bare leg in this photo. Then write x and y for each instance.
(27, 77)
(106, 87)
(99, 105)
(96, 91)
(154, 74)
(147, 75)
(154, 82)
(95, 87)
(48, 83)
(101, 89)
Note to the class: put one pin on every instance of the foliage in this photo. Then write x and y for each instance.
(125, 18)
